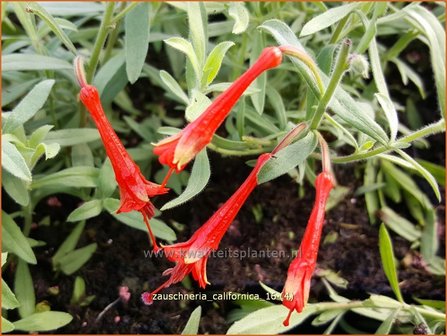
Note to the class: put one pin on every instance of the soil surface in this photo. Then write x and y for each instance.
(120, 259)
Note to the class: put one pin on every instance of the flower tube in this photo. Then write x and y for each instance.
(191, 256)
(135, 190)
(179, 149)
(297, 287)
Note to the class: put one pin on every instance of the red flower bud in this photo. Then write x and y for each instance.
(296, 290)
(192, 255)
(135, 190)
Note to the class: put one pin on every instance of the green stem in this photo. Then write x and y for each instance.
(123, 12)
(116, 22)
(244, 152)
(100, 40)
(340, 68)
(306, 59)
(28, 216)
(434, 128)
(337, 32)
(429, 313)
(111, 43)
(437, 127)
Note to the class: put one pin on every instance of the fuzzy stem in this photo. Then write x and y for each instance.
(431, 129)
(340, 67)
(126, 10)
(290, 137)
(100, 40)
(306, 59)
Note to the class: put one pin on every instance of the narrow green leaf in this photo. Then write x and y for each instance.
(240, 15)
(28, 106)
(337, 195)
(38, 10)
(13, 161)
(199, 103)
(9, 300)
(70, 177)
(430, 239)
(214, 61)
(72, 8)
(38, 135)
(136, 39)
(186, 47)
(173, 86)
(328, 18)
(24, 289)
(399, 224)
(258, 99)
(430, 26)
(72, 136)
(342, 103)
(6, 326)
(287, 158)
(392, 188)
(197, 21)
(16, 188)
(16, 90)
(388, 260)
(326, 316)
(45, 321)
(437, 304)
(275, 100)
(111, 78)
(192, 326)
(269, 321)
(68, 245)
(199, 178)
(106, 182)
(23, 62)
(78, 290)
(4, 258)
(414, 207)
(436, 170)
(385, 327)
(424, 172)
(408, 73)
(390, 113)
(14, 241)
(135, 220)
(406, 183)
(81, 155)
(74, 260)
(87, 210)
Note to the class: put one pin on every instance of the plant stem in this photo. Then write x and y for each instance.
(337, 32)
(306, 59)
(114, 35)
(100, 40)
(232, 152)
(429, 313)
(434, 128)
(122, 13)
(28, 216)
(431, 129)
(340, 68)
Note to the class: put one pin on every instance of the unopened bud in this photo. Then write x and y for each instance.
(359, 65)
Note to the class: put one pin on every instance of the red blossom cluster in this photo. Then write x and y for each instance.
(176, 152)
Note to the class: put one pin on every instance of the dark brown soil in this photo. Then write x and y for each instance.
(120, 260)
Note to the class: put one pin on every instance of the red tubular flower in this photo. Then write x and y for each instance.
(296, 290)
(135, 190)
(192, 255)
(177, 150)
